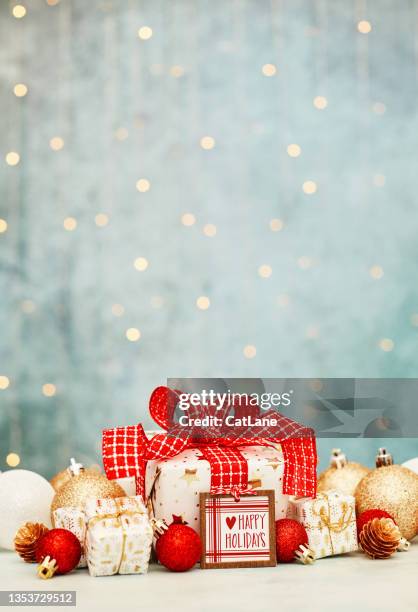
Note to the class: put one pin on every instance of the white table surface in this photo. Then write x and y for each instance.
(351, 583)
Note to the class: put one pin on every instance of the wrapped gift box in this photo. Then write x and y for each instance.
(330, 522)
(119, 536)
(74, 520)
(173, 485)
(174, 466)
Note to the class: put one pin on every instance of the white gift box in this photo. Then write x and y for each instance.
(119, 536)
(173, 485)
(329, 520)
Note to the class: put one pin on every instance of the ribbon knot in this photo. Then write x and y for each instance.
(235, 491)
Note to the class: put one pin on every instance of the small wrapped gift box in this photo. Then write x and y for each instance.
(74, 520)
(119, 536)
(330, 522)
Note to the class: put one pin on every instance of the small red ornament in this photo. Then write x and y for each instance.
(290, 535)
(179, 547)
(369, 515)
(57, 552)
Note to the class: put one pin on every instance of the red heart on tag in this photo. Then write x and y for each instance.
(230, 521)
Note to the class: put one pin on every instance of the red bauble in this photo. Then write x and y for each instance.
(61, 546)
(368, 515)
(178, 548)
(289, 536)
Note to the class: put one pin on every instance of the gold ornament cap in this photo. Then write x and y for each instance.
(47, 568)
(383, 458)
(159, 526)
(75, 468)
(338, 459)
(305, 555)
(404, 545)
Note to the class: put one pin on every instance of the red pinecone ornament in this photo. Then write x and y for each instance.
(369, 515)
(290, 535)
(58, 552)
(179, 547)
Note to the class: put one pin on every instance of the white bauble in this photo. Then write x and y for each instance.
(24, 497)
(412, 464)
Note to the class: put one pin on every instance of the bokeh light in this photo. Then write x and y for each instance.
(70, 224)
(143, 185)
(386, 344)
(4, 382)
(203, 302)
(20, 90)
(276, 225)
(188, 219)
(133, 334)
(141, 264)
(49, 389)
(12, 460)
(265, 271)
(364, 27)
(293, 150)
(320, 102)
(145, 33)
(269, 70)
(56, 143)
(19, 11)
(12, 158)
(249, 351)
(207, 142)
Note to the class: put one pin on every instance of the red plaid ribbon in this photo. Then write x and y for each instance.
(126, 450)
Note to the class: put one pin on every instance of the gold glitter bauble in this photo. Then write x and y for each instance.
(64, 476)
(395, 489)
(81, 487)
(344, 479)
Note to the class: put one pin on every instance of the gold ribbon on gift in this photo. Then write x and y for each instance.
(117, 516)
(323, 512)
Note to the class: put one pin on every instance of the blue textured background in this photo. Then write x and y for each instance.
(89, 75)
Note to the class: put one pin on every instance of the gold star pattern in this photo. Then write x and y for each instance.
(274, 462)
(190, 476)
(255, 483)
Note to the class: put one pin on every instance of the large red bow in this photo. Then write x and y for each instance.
(126, 450)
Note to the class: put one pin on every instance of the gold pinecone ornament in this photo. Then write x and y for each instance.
(380, 538)
(26, 540)
(392, 488)
(341, 475)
